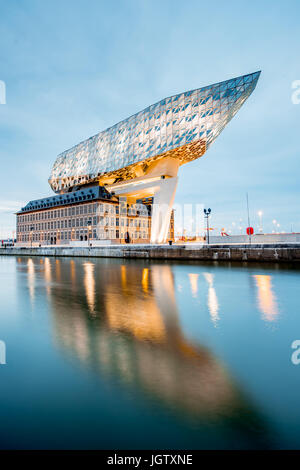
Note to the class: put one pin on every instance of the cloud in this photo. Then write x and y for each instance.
(10, 206)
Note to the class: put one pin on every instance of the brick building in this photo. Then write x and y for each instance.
(88, 214)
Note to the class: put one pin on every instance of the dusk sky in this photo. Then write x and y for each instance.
(74, 68)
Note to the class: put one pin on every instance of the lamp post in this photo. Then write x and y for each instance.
(206, 216)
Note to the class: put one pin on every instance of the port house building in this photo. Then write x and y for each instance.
(120, 184)
(86, 215)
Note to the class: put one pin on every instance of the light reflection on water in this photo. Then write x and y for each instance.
(212, 299)
(266, 297)
(166, 334)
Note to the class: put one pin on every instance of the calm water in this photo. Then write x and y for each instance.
(107, 353)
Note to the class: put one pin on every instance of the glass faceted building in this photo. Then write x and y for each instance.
(182, 126)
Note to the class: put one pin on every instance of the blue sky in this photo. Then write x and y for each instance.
(74, 67)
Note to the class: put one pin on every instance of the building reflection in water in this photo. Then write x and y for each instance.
(73, 274)
(193, 277)
(145, 280)
(89, 285)
(31, 278)
(266, 298)
(139, 337)
(57, 270)
(122, 320)
(212, 299)
(48, 276)
(128, 309)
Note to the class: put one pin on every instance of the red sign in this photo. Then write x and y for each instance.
(250, 231)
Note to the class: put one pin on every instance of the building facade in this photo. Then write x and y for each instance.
(87, 215)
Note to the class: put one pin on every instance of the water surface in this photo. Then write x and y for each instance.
(109, 353)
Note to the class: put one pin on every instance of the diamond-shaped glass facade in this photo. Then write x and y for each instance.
(182, 126)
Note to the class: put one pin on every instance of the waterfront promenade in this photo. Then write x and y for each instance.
(284, 252)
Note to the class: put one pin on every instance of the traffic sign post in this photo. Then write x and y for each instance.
(250, 232)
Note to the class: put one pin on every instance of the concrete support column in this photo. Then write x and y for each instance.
(161, 211)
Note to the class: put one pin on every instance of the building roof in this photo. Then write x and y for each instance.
(88, 194)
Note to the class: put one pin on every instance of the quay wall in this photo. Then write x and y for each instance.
(258, 252)
(258, 238)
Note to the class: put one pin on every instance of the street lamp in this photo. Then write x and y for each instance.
(206, 216)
